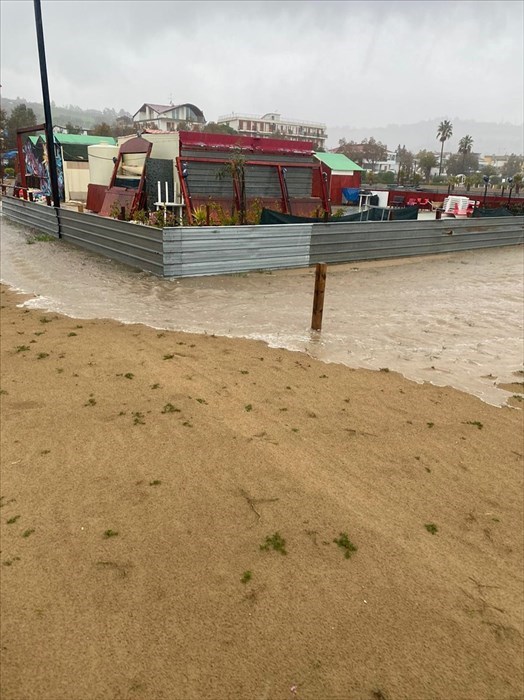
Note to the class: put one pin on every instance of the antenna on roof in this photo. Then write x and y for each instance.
(171, 98)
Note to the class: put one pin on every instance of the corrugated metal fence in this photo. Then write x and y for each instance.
(36, 216)
(138, 246)
(217, 250)
(347, 242)
(195, 251)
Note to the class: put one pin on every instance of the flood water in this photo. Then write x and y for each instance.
(452, 320)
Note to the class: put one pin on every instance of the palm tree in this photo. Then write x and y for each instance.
(465, 144)
(444, 132)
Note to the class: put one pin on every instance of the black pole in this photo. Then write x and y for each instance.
(50, 141)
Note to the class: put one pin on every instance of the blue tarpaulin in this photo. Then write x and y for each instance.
(351, 194)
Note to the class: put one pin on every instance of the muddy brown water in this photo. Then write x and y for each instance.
(452, 320)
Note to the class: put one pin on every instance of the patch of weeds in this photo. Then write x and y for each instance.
(42, 355)
(45, 452)
(431, 528)
(109, 533)
(384, 369)
(378, 694)
(129, 375)
(59, 370)
(27, 533)
(155, 386)
(430, 425)
(45, 320)
(323, 376)
(275, 542)
(517, 397)
(9, 562)
(428, 470)
(72, 334)
(244, 371)
(13, 520)
(3, 391)
(160, 335)
(22, 348)
(122, 413)
(168, 357)
(345, 543)
(417, 457)
(41, 238)
(282, 409)
(169, 408)
(138, 418)
(248, 407)
(79, 326)
(187, 424)
(246, 577)
(289, 388)
(474, 422)
(90, 402)
(202, 401)
(155, 482)
(32, 341)
(311, 414)
(294, 430)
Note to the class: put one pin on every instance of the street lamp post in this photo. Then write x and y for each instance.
(486, 181)
(50, 141)
(510, 183)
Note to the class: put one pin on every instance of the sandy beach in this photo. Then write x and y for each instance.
(189, 517)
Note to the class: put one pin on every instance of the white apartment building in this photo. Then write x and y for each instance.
(273, 124)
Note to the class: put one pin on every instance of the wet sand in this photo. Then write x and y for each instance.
(143, 470)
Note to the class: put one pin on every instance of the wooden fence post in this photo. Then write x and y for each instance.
(318, 298)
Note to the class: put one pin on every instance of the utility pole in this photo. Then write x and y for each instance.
(50, 141)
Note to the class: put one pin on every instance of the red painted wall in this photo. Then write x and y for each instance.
(254, 144)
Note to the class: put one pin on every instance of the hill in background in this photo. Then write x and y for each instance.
(77, 116)
(488, 137)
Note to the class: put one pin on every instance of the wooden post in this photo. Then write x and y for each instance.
(318, 298)
(31, 198)
(122, 216)
(48, 200)
(80, 208)
(208, 215)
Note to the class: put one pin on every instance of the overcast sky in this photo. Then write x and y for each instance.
(363, 63)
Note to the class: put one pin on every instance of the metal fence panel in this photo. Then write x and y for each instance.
(132, 244)
(352, 241)
(193, 251)
(37, 216)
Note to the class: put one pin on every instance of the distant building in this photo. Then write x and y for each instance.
(168, 117)
(389, 165)
(494, 161)
(274, 125)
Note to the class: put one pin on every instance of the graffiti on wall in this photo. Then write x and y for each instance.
(36, 164)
